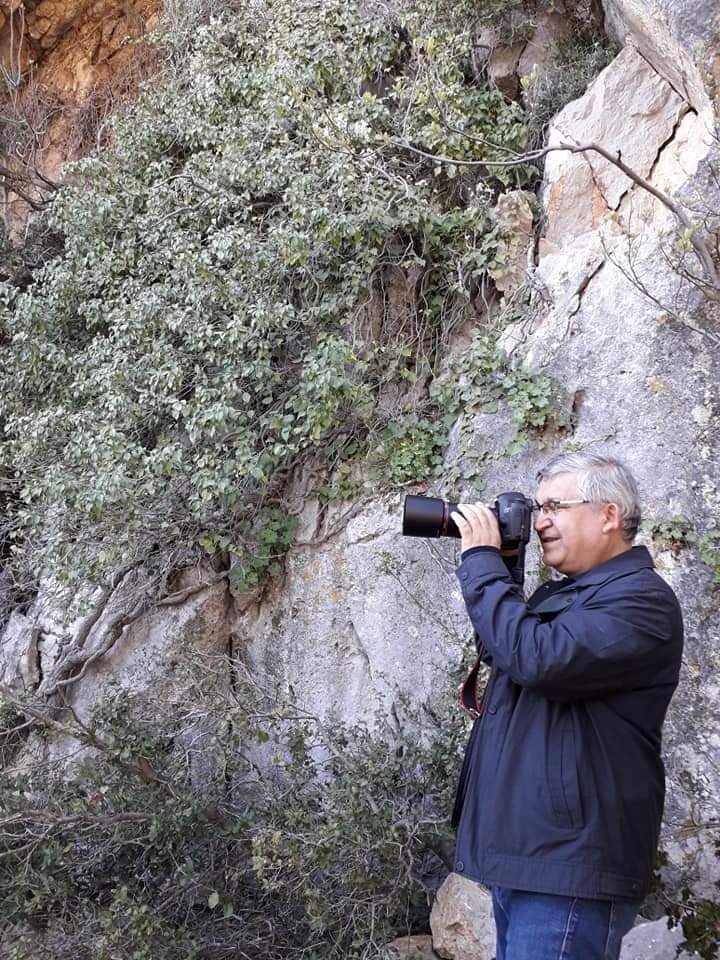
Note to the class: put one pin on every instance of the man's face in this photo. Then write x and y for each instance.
(576, 538)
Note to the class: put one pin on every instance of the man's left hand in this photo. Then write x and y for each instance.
(478, 526)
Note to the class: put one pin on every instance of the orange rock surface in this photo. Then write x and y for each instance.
(66, 64)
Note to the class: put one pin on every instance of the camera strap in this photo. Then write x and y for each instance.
(468, 694)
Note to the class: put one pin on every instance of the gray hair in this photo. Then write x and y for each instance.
(601, 480)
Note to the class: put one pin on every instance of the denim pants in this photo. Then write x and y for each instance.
(540, 926)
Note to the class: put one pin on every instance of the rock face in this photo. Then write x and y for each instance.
(653, 941)
(71, 47)
(551, 26)
(500, 61)
(582, 189)
(505, 62)
(673, 35)
(359, 619)
(19, 667)
(629, 338)
(67, 66)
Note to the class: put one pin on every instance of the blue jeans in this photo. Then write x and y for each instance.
(540, 926)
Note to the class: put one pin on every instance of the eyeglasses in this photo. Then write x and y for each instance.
(551, 507)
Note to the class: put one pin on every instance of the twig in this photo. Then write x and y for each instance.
(55, 820)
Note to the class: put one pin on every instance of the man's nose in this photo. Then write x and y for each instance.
(542, 521)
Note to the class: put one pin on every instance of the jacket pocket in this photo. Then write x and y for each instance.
(563, 777)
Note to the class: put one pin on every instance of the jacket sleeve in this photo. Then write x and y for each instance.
(618, 639)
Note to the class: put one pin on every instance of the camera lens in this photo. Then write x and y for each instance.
(428, 517)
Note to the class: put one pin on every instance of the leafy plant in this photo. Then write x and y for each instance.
(221, 308)
(532, 397)
(671, 533)
(274, 536)
(479, 379)
(677, 533)
(410, 450)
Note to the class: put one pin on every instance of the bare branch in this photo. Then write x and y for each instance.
(698, 242)
(62, 674)
(182, 595)
(55, 820)
(115, 628)
(100, 606)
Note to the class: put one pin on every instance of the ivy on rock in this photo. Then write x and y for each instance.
(219, 309)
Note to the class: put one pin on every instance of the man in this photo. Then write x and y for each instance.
(562, 789)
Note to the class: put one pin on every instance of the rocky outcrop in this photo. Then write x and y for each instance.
(678, 37)
(514, 214)
(582, 190)
(549, 28)
(70, 48)
(19, 655)
(462, 921)
(500, 61)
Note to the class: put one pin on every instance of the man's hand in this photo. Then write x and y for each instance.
(478, 526)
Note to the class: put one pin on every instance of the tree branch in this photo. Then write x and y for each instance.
(181, 596)
(698, 242)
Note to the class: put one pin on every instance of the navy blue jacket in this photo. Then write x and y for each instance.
(563, 783)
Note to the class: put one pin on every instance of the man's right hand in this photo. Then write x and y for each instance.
(478, 526)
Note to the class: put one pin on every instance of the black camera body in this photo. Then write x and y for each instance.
(430, 517)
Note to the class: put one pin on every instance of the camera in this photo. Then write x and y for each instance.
(430, 517)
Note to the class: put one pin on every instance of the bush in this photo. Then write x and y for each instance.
(274, 836)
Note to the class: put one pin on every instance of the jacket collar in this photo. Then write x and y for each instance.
(637, 558)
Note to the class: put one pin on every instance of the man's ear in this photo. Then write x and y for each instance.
(612, 519)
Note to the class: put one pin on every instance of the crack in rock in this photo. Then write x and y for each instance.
(576, 299)
(683, 96)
